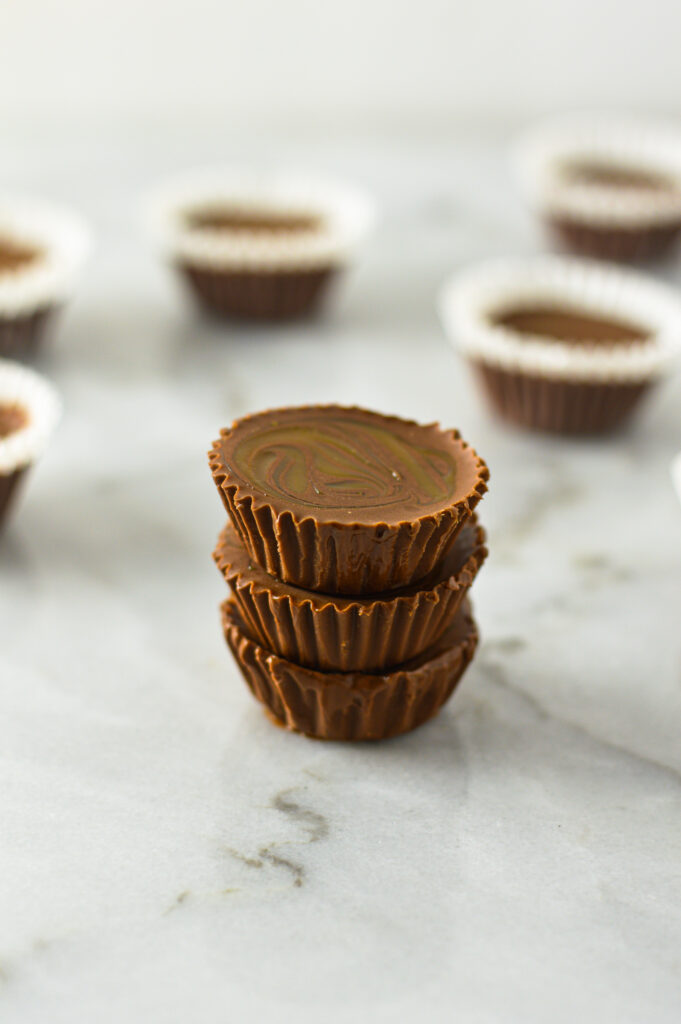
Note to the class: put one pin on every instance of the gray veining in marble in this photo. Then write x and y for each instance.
(168, 855)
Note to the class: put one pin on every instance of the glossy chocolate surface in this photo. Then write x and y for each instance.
(568, 324)
(347, 464)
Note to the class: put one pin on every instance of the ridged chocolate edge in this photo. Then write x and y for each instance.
(355, 637)
(258, 294)
(333, 557)
(355, 706)
(621, 244)
(560, 406)
(21, 337)
(9, 488)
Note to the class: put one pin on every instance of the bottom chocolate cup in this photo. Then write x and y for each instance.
(333, 633)
(259, 294)
(559, 406)
(353, 706)
(9, 488)
(22, 336)
(623, 245)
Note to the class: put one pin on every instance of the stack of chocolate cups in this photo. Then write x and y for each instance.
(350, 549)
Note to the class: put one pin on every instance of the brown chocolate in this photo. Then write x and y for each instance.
(9, 488)
(353, 706)
(343, 500)
(259, 294)
(16, 255)
(621, 244)
(349, 634)
(564, 324)
(239, 220)
(618, 176)
(13, 417)
(22, 336)
(559, 406)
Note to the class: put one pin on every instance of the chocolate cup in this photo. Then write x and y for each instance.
(353, 706)
(310, 547)
(620, 244)
(10, 484)
(258, 294)
(21, 337)
(559, 406)
(342, 634)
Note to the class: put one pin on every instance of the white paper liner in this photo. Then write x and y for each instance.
(346, 216)
(468, 299)
(63, 240)
(626, 145)
(30, 391)
(676, 474)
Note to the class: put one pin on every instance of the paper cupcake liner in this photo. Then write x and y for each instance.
(543, 154)
(22, 337)
(353, 706)
(259, 294)
(28, 390)
(333, 633)
(345, 558)
(62, 240)
(345, 217)
(469, 299)
(622, 245)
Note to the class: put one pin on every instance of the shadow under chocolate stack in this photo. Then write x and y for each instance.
(350, 548)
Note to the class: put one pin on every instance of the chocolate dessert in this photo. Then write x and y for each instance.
(343, 500)
(575, 326)
(347, 634)
(252, 221)
(353, 706)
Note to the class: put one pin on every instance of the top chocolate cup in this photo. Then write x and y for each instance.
(343, 500)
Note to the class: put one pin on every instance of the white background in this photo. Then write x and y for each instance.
(397, 61)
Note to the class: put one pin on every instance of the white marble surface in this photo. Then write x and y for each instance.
(168, 855)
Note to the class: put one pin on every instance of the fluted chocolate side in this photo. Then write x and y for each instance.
(353, 706)
(335, 633)
(259, 294)
(560, 406)
(9, 487)
(21, 337)
(621, 244)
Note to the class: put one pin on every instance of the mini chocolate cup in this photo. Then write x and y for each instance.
(560, 406)
(21, 337)
(333, 633)
(347, 550)
(617, 243)
(259, 294)
(10, 485)
(353, 706)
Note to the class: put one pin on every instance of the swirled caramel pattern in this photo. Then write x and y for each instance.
(340, 460)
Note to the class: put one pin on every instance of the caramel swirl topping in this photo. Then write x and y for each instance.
(330, 458)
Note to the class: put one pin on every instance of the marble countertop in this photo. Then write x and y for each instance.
(168, 855)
